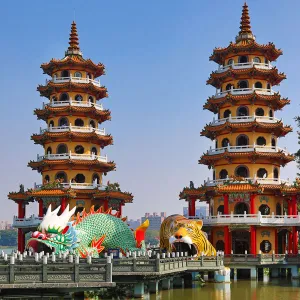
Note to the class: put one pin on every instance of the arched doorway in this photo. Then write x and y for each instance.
(221, 210)
(240, 241)
(220, 245)
(240, 208)
(278, 209)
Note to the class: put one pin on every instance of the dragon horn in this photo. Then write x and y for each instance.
(56, 210)
(48, 213)
(66, 215)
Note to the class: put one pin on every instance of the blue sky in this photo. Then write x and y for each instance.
(156, 57)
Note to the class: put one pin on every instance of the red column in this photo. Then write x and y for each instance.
(294, 205)
(252, 204)
(290, 207)
(295, 240)
(120, 208)
(276, 242)
(226, 240)
(21, 209)
(253, 239)
(63, 204)
(192, 207)
(290, 242)
(105, 205)
(41, 212)
(21, 240)
(226, 204)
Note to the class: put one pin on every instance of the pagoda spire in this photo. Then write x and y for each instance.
(73, 41)
(245, 32)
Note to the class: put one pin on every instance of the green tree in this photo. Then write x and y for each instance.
(152, 237)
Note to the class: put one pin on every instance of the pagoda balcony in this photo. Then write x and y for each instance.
(251, 219)
(72, 102)
(247, 65)
(271, 181)
(74, 79)
(84, 129)
(245, 119)
(248, 148)
(71, 155)
(31, 222)
(75, 185)
(245, 91)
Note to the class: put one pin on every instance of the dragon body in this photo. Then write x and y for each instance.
(88, 234)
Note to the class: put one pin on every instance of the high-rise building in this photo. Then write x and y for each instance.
(247, 195)
(155, 220)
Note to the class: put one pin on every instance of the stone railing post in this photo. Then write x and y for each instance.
(108, 277)
(202, 259)
(157, 262)
(259, 256)
(76, 269)
(134, 261)
(44, 269)
(12, 269)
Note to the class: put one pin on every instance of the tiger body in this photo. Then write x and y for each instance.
(178, 232)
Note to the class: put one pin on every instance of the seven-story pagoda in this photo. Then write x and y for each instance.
(72, 165)
(251, 207)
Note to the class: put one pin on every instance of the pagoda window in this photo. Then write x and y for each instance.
(225, 142)
(62, 177)
(268, 86)
(261, 141)
(54, 98)
(271, 113)
(278, 209)
(63, 122)
(216, 144)
(94, 150)
(78, 210)
(61, 149)
(276, 173)
(77, 74)
(258, 85)
(265, 246)
(220, 245)
(227, 113)
(259, 112)
(266, 61)
(262, 173)
(47, 179)
(256, 60)
(243, 59)
(89, 75)
(64, 97)
(223, 174)
(51, 123)
(65, 73)
(242, 111)
(243, 84)
(214, 175)
(242, 140)
(49, 150)
(229, 86)
(78, 98)
(264, 209)
(91, 99)
(79, 122)
(79, 149)
(96, 179)
(80, 178)
(230, 62)
(220, 210)
(242, 171)
(92, 124)
(240, 208)
(273, 142)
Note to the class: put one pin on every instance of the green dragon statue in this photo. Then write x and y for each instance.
(89, 234)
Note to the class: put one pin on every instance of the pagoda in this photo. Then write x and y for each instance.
(251, 208)
(73, 164)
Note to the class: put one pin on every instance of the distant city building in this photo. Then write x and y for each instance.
(155, 220)
(4, 225)
(134, 223)
(201, 211)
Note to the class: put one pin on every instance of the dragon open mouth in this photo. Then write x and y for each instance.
(38, 245)
(185, 247)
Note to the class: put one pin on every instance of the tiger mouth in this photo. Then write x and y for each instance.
(185, 247)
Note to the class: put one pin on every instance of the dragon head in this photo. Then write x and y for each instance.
(55, 233)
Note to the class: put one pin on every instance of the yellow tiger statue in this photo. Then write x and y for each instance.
(179, 234)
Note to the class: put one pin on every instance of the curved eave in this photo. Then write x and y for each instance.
(106, 195)
(73, 62)
(102, 140)
(51, 87)
(274, 101)
(92, 112)
(104, 167)
(188, 193)
(18, 196)
(280, 157)
(271, 75)
(53, 192)
(269, 51)
(278, 129)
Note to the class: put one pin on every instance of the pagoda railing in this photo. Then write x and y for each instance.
(32, 221)
(71, 155)
(74, 79)
(247, 148)
(65, 128)
(275, 181)
(244, 119)
(244, 66)
(251, 219)
(75, 185)
(244, 92)
(72, 102)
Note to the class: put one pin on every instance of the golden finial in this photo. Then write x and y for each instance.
(245, 28)
(73, 41)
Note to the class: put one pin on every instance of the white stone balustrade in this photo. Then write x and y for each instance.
(76, 185)
(74, 79)
(247, 65)
(32, 221)
(72, 155)
(244, 91)
(210, 182)
(83, 129)
(244, 119)
(72, 102)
